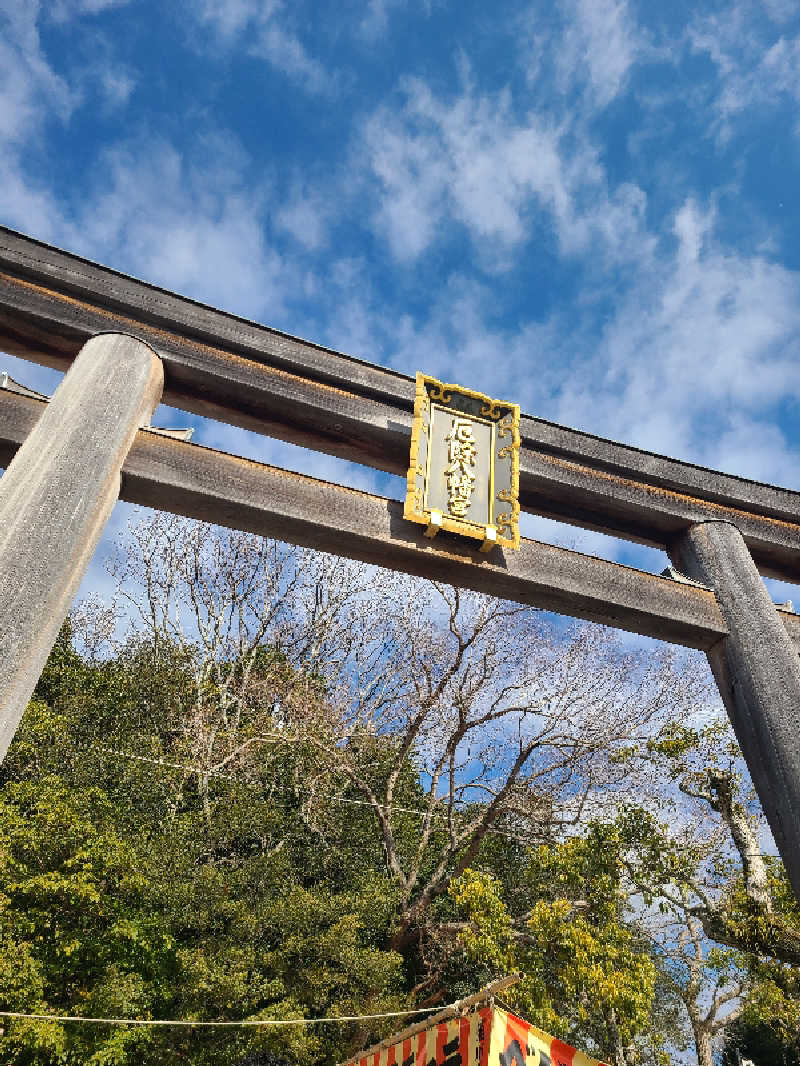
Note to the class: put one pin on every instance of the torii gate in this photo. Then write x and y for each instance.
(122, 342)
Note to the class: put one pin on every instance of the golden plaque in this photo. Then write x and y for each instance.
(464, 470)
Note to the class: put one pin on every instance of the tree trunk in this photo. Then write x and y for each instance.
(702, 1043)
(619, 1055)
(735, 817)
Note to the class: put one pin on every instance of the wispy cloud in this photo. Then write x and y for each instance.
(62, 10)
(475, 161)
(755, 70)
(268, 30)
(780, 10)
(490, 224)
(598, 46)
(34, 96)
(32, 93)
(697, 356)
(30, 89)
(781, 66)
(229, 18)
(376, 17)
(188, 221)
(377, 14)
(306, 216)
(695, 359)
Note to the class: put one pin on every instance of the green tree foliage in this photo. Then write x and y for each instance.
(588, 976)
(119, 897)
(758, 1042)
(728, 938)
(289, 793)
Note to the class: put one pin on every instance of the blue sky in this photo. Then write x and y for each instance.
(588, 206)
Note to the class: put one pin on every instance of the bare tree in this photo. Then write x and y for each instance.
(510, 721)
(773, 934)
(706, 980)
(501, 720)
(694, 851)
(720, 876)
(248, 621)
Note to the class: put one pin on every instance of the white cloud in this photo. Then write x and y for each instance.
(230, 17)
(780, 10)
(375, 20)
(696, 357)
(28, 205)
(697, 347)
(188, 222)
(31, 93)
(589, 542)
(599, 45)
(753, 72)
(474, 162)
(753, 446)
(117, 85)
(32, 96)
(62, 10)
(781, 66)
(694, 360)
(103, 80)
(29, 87)
(265, 29)
(692, 227)
(305, 216)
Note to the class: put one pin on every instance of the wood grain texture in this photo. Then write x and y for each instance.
(221, 366)
(757, 670)
(55, 499)
(202, 483)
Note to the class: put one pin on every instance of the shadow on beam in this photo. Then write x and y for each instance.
(201, 483)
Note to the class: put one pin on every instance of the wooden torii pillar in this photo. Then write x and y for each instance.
(722, 531)
(757, 670)
(55, 499)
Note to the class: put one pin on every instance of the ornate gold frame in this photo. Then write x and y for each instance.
(505, 416)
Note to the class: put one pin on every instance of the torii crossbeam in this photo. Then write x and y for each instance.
(120, 340)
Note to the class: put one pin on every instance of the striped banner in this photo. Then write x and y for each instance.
(455, 1042)
(516, 1043)
(486, 1037)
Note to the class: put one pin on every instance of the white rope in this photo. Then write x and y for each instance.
(242, 1024)
(508, 834)
(243, 781)
(171, 765)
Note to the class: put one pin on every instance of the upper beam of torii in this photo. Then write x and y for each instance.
(719, 529)
(225, 367)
